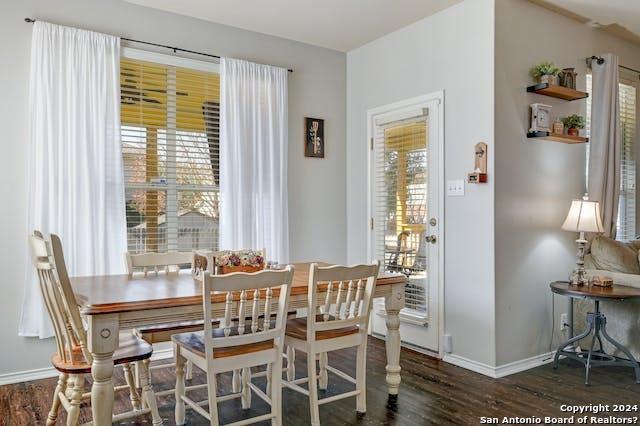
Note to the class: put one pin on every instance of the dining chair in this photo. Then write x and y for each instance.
(167, 263)
(73, 359)
(255, 341)
(341, 323)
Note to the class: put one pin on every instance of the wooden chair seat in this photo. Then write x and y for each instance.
(194, 342)
(131, 349)
(297, 328)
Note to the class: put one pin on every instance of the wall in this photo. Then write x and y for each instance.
(317, 88)
(450, 51)
(536, 180)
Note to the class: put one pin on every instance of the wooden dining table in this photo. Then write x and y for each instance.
(113, 303)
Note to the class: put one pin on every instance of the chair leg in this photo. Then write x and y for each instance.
(213, 402)
(73, 414)
(361, 377)
(133, 392)
(137, 375)
(180, 390)
(323, 377)
(147, 392)
(269, 368)
(245, 399)
(291, 363)
(276, 392)
(314, 408)
(61, 387)
(189, 371)
(236, 381)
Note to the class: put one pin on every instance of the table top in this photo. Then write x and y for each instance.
(120, 293)
(615, 292)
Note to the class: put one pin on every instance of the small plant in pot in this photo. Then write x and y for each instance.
(574, 123)
(545, 72)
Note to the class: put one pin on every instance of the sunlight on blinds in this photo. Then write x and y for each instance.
(170, 146)
(400, 204)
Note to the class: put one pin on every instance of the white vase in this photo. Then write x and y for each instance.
(552, 80)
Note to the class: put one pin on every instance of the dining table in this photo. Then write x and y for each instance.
(114, 303)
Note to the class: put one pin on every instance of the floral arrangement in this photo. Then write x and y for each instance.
(544, 68)
(574, 121)
(248, 258)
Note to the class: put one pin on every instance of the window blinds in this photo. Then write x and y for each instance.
(170, 146)
(628, 90)
(400, 203)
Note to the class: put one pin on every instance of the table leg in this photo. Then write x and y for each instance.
(102, 342)
(393, 303)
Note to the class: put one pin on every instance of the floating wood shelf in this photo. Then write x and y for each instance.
(557, 92)
(557, 137)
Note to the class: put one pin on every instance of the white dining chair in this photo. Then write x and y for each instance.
(342, 322)
(73, 359)
(256, 340)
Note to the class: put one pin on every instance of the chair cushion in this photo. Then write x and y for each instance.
(297, 328)
(194, 342)
(615, 256)
(131, 349)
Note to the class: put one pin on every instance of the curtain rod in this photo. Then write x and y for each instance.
(600, 61)
(164, 46)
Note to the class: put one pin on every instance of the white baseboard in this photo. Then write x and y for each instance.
(47, 372)
(501, 370)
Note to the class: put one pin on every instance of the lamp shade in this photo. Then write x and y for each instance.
(584, 216)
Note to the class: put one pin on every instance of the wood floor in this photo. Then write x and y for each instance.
(432, 392)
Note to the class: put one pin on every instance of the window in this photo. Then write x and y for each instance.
(170, 146)
(628, 87)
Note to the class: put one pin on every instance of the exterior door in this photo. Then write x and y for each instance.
(405, 215)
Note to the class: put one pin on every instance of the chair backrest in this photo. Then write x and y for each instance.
(48, 259)
(248, 296)
(158, 261)
(353, 287)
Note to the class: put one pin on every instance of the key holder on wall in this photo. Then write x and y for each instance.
(479, 174)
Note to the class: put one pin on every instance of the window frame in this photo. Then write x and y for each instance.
(171, 187)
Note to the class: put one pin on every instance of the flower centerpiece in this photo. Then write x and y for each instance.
(240, 261)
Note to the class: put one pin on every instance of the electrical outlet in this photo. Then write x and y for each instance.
(564, 320)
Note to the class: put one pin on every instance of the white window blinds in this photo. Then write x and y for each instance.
(170, 145)
(628, 89)
(400, 204)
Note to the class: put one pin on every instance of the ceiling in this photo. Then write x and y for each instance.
(621, 17)
(335, 24)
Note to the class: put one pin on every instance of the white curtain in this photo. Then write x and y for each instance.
(604, 149)
(253, 158)
(76, 183)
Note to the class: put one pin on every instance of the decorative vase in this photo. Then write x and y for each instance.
(551, 80)
(573, 132)
(567, 78)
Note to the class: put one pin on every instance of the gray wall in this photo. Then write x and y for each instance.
(317, 88)
(450, 51)
(536, 180)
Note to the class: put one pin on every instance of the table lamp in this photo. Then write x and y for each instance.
(584, 216)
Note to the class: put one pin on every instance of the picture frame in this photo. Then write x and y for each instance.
(314, 142)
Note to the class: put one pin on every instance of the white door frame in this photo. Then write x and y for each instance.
(431, 100)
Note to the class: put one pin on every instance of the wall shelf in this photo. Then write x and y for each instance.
(557, 137)
(557, 92)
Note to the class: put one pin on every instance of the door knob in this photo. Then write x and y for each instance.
(431, 239)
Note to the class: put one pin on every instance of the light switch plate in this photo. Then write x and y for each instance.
(455, 188)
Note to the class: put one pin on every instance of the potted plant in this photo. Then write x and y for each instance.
(574, 123)
(545, 72)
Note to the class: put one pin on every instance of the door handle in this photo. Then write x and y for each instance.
(431, 239)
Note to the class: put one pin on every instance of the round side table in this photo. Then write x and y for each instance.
(596, 325)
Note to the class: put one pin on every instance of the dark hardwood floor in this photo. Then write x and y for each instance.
(432, 392)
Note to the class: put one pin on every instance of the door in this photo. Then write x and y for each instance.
(405, 213)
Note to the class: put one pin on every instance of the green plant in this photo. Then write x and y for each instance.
(544, 68)
(574, 121)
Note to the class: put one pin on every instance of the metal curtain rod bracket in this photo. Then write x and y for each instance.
(164, 46)
(600, 61)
